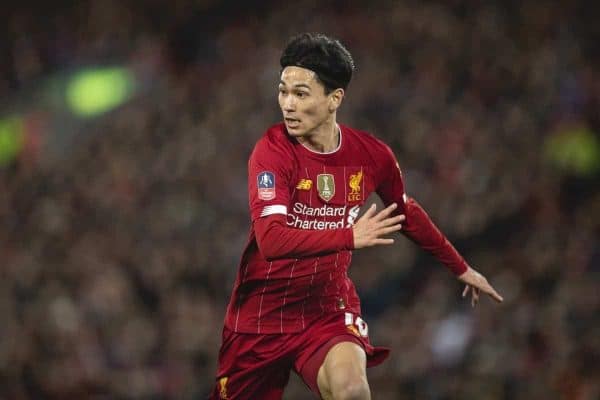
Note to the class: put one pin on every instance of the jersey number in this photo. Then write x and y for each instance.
(357, 325)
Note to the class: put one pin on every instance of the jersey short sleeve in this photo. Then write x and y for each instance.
(269, 176)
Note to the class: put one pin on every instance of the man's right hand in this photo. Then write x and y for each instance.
(371, 227)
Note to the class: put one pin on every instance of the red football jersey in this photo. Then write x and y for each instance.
(300, 273)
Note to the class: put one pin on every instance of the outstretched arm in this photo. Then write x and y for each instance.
(419, 228)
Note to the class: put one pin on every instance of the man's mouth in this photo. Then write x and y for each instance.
(292, 122)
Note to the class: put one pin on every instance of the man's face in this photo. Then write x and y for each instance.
(303, 101)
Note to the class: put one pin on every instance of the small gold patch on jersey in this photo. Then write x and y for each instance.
(304, 184)
(326, 186)
(223, 388)
(354, 183)
(352, 329)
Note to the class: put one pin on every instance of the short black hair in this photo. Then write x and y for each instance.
(325, 56)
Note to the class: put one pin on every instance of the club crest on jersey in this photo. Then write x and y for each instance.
(325, 186)
(266, 185)
(304, 184)
(355, 184)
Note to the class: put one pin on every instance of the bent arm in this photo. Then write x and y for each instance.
(276, 240)
(419, 228)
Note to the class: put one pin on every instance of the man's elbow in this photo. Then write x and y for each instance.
(268, 244)
(268, 251)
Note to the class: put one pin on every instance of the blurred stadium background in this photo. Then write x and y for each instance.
(125, 128)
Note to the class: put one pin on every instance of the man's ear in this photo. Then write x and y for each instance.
(335, 99)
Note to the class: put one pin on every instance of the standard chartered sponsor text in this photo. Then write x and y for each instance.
(295, 220)
(323, 211)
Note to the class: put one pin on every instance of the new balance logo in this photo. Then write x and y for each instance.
(304, 184)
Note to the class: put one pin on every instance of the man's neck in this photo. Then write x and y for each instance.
(324, 139)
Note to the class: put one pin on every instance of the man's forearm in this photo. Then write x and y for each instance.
(276, 240)
(420, 229)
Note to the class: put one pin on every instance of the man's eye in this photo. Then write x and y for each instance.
(302, 94)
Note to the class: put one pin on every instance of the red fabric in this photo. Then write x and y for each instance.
(302, 205)
(421, 230)
(258, 366)
(291, 274)
(275, 240)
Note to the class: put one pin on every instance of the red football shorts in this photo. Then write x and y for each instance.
(257, 366)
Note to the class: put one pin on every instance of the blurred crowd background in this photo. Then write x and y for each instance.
(121, 225)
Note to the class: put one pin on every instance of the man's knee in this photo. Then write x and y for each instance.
(343, 373)
(350, 389)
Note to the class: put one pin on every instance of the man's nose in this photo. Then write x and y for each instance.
(289, 104)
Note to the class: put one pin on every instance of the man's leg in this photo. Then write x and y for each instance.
(265, 383)
(334, 353)
(252, 367)
(343, 376)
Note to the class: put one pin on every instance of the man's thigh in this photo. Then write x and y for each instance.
(344, 370)
(311, 372)
(252, 367)
(324, 335)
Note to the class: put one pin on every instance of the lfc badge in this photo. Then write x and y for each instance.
(354, 183)
(325, 186)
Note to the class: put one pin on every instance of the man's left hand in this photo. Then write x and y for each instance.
(475, 283)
